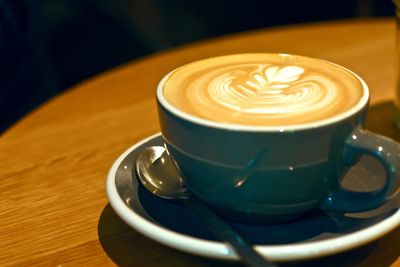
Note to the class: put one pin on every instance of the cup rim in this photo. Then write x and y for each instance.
(362, 102)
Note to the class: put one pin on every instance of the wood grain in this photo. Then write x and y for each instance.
(53, 163)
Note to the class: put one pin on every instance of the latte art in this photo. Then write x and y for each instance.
(262, 89)
(268, 90)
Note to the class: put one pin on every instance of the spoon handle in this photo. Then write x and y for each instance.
(225, 232)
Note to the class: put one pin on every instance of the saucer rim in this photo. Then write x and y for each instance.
(214, 249)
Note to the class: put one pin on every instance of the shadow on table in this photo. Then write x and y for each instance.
(127, 247)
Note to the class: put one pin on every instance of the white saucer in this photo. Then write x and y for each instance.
(316, 235)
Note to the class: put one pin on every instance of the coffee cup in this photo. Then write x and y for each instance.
(265, 138)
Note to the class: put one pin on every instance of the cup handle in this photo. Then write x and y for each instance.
(387, 151)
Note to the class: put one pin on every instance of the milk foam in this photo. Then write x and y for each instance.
(262, 89)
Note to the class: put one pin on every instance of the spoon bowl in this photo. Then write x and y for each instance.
(158, 173)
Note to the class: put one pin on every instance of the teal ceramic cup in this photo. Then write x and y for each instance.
(274, 174)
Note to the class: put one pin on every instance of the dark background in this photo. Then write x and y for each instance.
(47, 46)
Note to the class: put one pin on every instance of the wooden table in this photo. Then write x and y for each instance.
(53, 163)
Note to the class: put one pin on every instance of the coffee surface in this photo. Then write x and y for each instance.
(262, 89)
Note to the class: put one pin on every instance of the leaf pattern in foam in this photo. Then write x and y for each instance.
(267, 79)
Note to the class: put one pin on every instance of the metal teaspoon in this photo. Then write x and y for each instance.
(158, 174)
